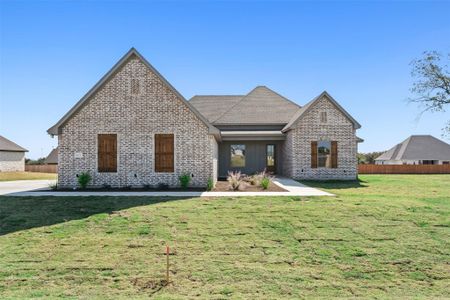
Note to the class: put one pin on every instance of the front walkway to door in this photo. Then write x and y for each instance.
(297, 188)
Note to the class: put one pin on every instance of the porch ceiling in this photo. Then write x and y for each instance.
(252, 135)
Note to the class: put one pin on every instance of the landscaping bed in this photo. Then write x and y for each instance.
(224, 186)
(127, 189)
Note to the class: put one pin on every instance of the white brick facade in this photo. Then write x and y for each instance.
(135, 118)
(135, 102)
(12, 161)
(297, 147)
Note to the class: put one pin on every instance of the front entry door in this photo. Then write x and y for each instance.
(270, 158)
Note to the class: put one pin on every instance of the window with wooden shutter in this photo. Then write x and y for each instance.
(314, 154)
(334, 154)
(107, 153)
(164, 153)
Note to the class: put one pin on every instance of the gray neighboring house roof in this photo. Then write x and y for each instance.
(301, 112)
(418, 147)
(52, 158)
(54, 130)
(259, 106)
(7, 145)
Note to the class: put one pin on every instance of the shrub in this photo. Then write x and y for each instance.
(84, 179)
(147, 186)
(254, 179)
(106, 186)
(265, 183)
(236, 180)
(185, 179)
(53, 186)
(210, 184)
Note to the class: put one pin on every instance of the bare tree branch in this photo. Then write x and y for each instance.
(432, 85)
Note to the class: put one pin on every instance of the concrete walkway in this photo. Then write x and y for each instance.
(41, 188)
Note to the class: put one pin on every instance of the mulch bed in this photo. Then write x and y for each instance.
(223, 186)
(170, 189)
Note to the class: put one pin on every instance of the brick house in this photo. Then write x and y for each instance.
(12, 156)
(134, 128)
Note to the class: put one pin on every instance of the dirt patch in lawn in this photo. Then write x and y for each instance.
(223, 186)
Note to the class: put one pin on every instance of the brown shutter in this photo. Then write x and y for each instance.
(164, 153)
(334, 154)
(107, 153)
(314, 154)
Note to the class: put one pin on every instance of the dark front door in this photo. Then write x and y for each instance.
(270, 158)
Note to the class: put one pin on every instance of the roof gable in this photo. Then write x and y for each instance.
(52, 158)
(7, 145)
(54, 130)
(304, 110)
(260, 106)
(418, 147)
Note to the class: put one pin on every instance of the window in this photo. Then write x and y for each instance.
(238, 156)
(107, 153)
(135, 86)
(270, 152)
(428, 162)
(446, 162)
(164, 153)
(323, 117)
(324, 154)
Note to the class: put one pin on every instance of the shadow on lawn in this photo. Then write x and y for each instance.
(336, 184)
(20, 213)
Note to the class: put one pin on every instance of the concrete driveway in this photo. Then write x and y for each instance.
(11, 187)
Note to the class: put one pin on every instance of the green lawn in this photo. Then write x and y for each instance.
(384, 237)
(11, 176)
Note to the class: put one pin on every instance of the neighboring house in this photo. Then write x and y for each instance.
(133, 128)
(417, 150)
(12, 156)
(52, 158)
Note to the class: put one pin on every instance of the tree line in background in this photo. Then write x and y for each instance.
(39, 161)
(368, 158)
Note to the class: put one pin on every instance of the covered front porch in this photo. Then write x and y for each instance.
(250, 152)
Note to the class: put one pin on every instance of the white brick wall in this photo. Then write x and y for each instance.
(135, 119)
(12, 161)
(297, 147)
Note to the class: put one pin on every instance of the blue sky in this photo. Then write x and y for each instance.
(52, 53)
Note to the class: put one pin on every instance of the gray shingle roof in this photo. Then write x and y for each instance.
(212, 107)
(418, 147)
(7, 145)
(260, 106)
(52, 158)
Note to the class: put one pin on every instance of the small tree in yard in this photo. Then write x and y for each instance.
(84, 179)
(432, 87)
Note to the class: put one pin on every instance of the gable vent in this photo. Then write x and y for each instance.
(135, 86)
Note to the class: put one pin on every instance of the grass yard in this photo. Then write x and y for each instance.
(11, 176)
(387, 236)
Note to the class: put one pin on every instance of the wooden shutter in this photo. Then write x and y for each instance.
(314, 154)
(164, 153)
(107, 153)
(334, 154)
